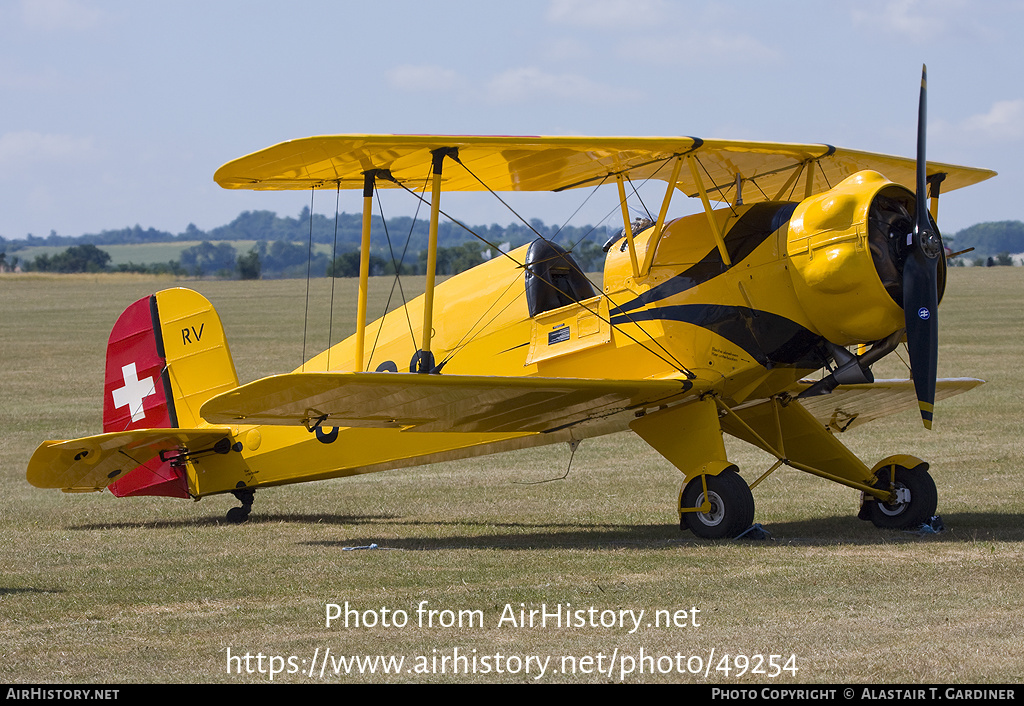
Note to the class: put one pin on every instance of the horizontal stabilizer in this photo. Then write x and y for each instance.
(852, 405)
(455, 403)
(94, 462)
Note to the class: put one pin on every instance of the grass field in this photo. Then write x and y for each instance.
(96, 589)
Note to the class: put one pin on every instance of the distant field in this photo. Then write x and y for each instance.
(144, 253)
(96, 589)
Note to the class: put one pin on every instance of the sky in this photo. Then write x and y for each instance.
(115, 113)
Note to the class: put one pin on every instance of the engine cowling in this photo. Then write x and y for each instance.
(847, 248)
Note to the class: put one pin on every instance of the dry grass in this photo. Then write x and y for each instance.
(96, 589)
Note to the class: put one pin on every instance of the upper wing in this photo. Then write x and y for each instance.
(455, 403)
(94, 462)
(773, 170)
(852, 405)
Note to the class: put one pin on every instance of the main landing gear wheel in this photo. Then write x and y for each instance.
(915, 502)
(732, 506)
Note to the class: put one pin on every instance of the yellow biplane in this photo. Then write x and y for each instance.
(817, 258)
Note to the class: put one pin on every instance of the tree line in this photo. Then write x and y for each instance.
(994, 242)
(281, 259)
(284, 246)
(404, 232)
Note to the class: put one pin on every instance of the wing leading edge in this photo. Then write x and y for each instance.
(435, 403)
(777, 170)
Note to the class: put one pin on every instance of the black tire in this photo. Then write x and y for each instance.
(732, 509)
(913, 511)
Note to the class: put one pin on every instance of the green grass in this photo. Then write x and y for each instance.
(96, 589)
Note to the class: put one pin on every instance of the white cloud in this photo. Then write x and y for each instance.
(914, 21)
(660, 32)
(14, 77)
(1005, 121)
(409, 77)
(608, 14)
(25, 148)
(565, 49)
(52, 15)
(703, 49)
(531, 84)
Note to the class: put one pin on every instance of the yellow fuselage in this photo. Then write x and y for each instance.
(799, 274)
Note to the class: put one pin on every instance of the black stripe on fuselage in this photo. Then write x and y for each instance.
(749, 231)
(768, 338)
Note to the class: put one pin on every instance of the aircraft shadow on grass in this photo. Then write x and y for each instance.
(828, 531)
(9, 591)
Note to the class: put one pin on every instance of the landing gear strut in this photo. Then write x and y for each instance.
(914, 502)
(238, 515)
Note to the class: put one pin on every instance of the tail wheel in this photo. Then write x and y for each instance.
(246, 496)
(915, 501)
(732, 506)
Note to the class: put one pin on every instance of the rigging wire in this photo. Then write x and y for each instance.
(398, 267)
(618, 206)
(717, 187)
(397, 264)
(792, 189)
(309, 262)
(753, 180)
(580, 208)
(334, 275)
(458, 346)
(638, 196)
(671, 360)
(139, 463)
(823, 174)
(809, 164)
(674, 362)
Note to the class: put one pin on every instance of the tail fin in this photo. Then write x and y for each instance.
(167, 354)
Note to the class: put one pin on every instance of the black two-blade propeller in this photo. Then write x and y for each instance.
(921, 280)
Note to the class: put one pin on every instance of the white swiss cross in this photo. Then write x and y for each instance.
(133, 392)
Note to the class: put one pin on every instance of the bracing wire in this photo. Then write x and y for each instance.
(753, 181)
(712, 180)
(470, 331)
(334, 275)
(674, 362)
(670, 360)
(823, 174)
(397, 264)
(638, 196)
(792, 189)
(309, 262)
(580, 208)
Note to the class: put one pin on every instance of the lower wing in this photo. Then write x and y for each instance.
(417, 402)
(850, 406)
